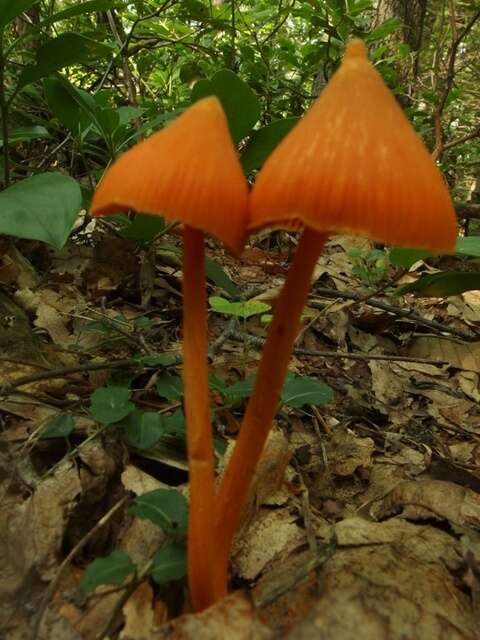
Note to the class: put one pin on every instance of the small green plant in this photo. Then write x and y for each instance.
(297, 391)
(370, 266)
(166, 508)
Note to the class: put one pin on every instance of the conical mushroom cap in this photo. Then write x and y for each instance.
(355, 164)
(188, 172)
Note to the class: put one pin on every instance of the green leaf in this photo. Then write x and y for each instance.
(216, 274)
(43, 207)
(166, 508)
(299, 391)
(59, 427)
(127, 114)
(60, 52)
(240, 390)
(217, 384)
(263, 141)
(144, 323)
(169, 563)
(99, 326)
(110, 570)
(385, 29)
(469, 246)
(170, 387)
(109, 120)
(161, 360)
(86, 103)
(64, 107)
(240, 104)
(442, 285)
(111, 404)
(404, 257)
(143, 429)
(10, 9)
(25, 134)
(80, 9)
(175, 423)
(238, 309)
(143, 228)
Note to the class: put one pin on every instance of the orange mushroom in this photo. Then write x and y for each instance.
(353, 164)
(189, 172)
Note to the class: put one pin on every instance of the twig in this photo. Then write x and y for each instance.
(398, 311)
(259, 342)
(66, 562)
(123, 51)
(25, 363)
(223, 337)
(65, 371)
(469, 136)
(279, 24)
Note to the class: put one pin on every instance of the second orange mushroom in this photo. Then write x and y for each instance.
(353, 164)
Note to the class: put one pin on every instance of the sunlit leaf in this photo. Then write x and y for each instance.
(243, 309)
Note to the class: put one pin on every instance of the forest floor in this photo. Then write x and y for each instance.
(364, 521)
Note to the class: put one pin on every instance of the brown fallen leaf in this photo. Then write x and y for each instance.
(270, 538)
(92, 620)
(139, 614)
(269, 475)
(458, 354)
(424, 499)
(37, 527)
(392, 584)
(347, 452)
(233, 618)
(468, 381)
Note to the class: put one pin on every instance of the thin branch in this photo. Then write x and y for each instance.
(469, 136)
(65, 371)
(279, 24)
(408, 314)
(334, 355)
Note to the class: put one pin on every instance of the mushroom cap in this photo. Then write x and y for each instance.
(187, 172)
(355, 164)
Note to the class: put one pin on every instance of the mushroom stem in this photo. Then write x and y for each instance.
(199, 430)
(264, 399)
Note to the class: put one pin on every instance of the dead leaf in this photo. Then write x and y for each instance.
(37, 527)
(391, 585)
(269, 475)
(347, 452)
(458, 354)
(88, 623)
(139, 615)
(387, 385)
(233, 618)
(424, 499)
(468, 381)
(270, 538)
